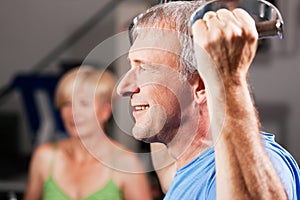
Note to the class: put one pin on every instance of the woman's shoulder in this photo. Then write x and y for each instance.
(127, 160)
(41, 158)
(44, 151)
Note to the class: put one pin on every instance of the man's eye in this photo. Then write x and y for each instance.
(143, 67)
(148, 67)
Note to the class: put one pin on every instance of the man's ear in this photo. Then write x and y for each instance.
(198, 87)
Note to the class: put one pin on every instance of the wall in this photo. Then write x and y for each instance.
(275, 81)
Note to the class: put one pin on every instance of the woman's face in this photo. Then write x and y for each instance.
(83, 114)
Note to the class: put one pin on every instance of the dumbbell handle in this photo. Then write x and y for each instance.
(265, 28)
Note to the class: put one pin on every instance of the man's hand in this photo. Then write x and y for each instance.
(230, 39)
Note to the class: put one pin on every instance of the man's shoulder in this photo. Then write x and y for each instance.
(196, 179)
(275, 150)
(284, 164)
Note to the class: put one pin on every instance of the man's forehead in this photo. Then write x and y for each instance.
(157, 38)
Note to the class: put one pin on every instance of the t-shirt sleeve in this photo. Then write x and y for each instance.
(286, 168)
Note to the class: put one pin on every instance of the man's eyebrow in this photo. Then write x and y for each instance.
(135, 60)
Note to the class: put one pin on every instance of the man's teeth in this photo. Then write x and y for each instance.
(141, 107)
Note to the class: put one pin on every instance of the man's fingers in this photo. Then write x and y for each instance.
(224, 23)
(247, 21)
(227, 16)
(232, 27)
(199, 31)
(209, 27)
(209, 15)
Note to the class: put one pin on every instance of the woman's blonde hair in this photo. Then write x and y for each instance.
(102, 81)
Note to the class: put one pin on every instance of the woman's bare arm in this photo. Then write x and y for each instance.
(38, 166)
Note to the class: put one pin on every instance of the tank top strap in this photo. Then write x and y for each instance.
(55, 147)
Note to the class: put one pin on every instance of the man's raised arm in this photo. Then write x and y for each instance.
(243, 169)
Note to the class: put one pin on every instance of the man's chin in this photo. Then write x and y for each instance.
(144, 137)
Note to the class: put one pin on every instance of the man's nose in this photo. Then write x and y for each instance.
(128, 84)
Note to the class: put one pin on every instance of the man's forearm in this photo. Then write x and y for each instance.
(243, 169)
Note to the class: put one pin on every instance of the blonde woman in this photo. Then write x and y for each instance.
(87, 165)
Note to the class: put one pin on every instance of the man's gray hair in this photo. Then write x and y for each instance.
(176, 17)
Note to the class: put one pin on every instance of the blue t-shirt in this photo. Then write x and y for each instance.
(197, 180)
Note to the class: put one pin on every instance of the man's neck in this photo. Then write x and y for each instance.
(193, 136)
(185, 150)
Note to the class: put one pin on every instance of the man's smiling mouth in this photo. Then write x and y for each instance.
(141, 107)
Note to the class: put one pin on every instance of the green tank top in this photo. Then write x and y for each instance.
(52, 191)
